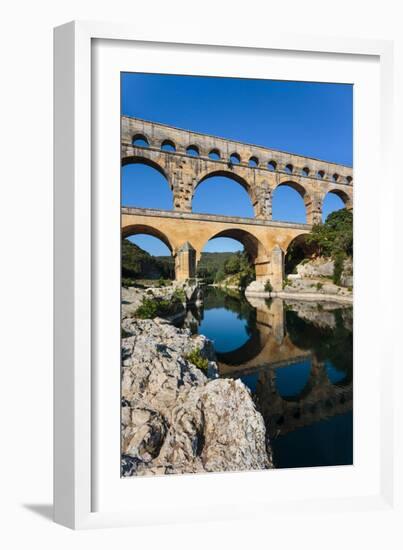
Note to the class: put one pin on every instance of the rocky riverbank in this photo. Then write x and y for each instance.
(312, 281)
(177, 416)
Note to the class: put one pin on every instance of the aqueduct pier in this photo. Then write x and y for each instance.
(186, 159)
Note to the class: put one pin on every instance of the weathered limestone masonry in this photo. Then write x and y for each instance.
(193, 157)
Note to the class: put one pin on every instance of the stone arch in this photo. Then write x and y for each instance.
(234, 176)
(235, 158)
(297, 250)
(214, 154)
(140, 159)
(140, 137)
(168, 145)
(193, 150)
(311, 207)
(137, 229)
(253, 246)
(343, 195)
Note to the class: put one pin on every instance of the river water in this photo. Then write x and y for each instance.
(297, 360)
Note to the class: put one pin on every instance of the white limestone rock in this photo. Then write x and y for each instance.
(177, 420)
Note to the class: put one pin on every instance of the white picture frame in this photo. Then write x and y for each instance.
(79, 311)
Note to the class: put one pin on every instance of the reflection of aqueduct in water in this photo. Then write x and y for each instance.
(187, 158)
(318, 399)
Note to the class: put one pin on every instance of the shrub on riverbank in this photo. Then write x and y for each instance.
(158, 307)
(196, 358)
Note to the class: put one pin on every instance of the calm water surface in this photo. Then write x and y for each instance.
(297, 360)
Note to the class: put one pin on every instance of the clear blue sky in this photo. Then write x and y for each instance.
(311, 119)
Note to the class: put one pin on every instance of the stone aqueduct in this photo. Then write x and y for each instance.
(188, 158)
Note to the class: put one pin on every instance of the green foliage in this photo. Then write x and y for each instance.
(196, 358)
(268, 286)
(339, 258)
(319, 286)
(136, 263)
(219, 276)
(180, 295)
(335, 235)
(286, 282)
(148, 309)
(232, 265)
(158, 307)
(217, 266)
(212, 263)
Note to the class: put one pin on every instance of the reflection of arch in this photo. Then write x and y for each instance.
(315, 376)
(249, 350)
(252, 245)
(137, 229)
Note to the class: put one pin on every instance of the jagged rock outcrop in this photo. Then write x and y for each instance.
(177, 419)
(324, 267)
(132, 297)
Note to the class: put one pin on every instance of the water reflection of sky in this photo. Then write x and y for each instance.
(305, 429)
(223, 326)
(291, 380)
(335, 376)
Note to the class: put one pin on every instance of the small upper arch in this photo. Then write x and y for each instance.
(235, 158)
(321, 174)
(272, 165)
(168, 145)
(193, 151)
(305, 171)
(214, 154)
(140, 140)
(349, 179)
(289, 168)
(253, 162)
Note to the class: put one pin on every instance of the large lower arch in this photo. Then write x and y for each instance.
(253, 247)
(137, 229)
(297, 251)
(230, 175)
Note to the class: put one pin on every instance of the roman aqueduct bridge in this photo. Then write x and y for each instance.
(186, 159)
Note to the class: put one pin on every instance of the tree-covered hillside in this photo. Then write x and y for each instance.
(137, 263)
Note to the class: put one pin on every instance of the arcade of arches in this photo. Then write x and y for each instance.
(192, 158)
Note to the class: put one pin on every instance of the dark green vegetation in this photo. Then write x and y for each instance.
(197, 359)
(161, 307)
(138, 264)
(232, 268)
(332, 239)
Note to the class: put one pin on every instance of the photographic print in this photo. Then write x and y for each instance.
(236, 274)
